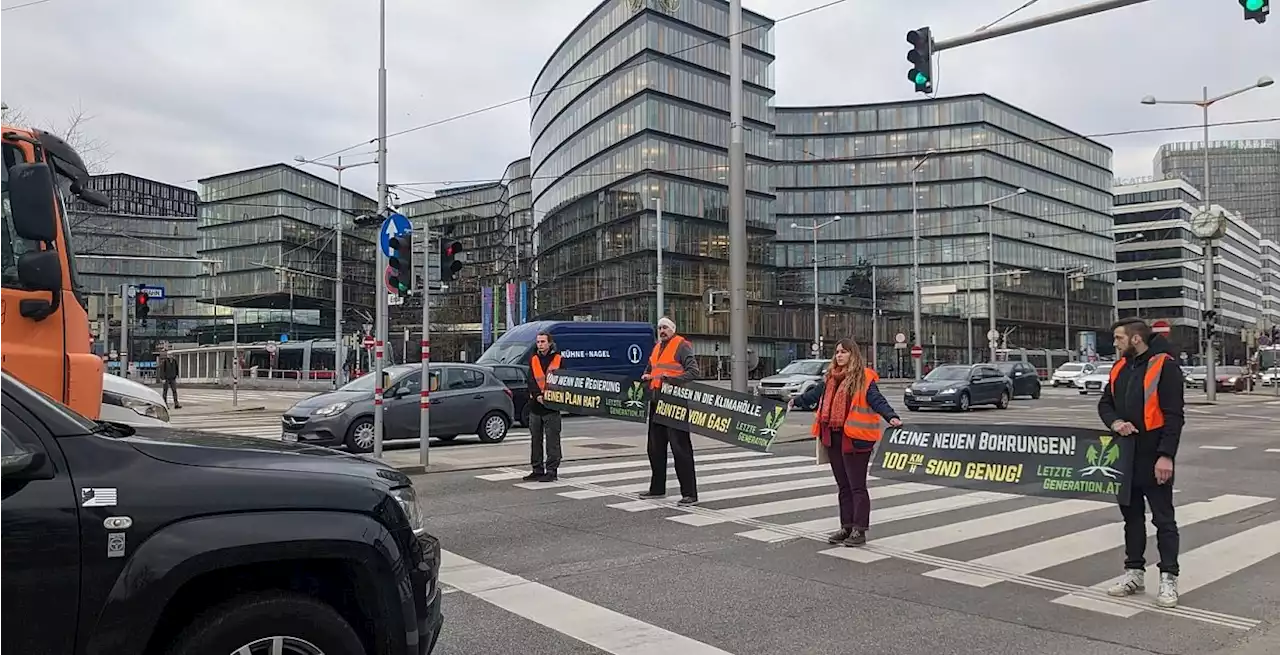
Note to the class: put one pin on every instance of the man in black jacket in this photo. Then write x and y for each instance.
(1144, 402)
(544, 422)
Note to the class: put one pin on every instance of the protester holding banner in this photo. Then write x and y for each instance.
(672, 360)
(1144, 401)
(544, 422)
(848, 423)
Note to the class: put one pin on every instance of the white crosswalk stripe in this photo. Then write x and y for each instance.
(266, 425)
(772, 499)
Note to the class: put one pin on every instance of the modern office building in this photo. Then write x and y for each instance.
(631, 114)
(146, 219)
(1244, 177)
(272, 229)
(1161, 266)
(965, 155)
(519, 182)
(1269, 252)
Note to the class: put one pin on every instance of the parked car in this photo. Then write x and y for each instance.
(153, 540)
(1095, 381)
(959, 387)
(1025, 378)
(794, 379)
(465, 399)
(519, 379)
(1067, 373)
(130, 403)
(1231, 378)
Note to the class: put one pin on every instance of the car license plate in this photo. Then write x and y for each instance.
(289, 436)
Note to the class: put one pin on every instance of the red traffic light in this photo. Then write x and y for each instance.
(143, 298)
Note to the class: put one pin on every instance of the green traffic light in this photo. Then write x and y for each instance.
(921, 79)
(1253, 5)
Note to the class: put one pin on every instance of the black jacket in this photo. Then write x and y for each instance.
(535, 406)
(1124, 402)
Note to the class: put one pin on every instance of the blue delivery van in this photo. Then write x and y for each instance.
(620, 348)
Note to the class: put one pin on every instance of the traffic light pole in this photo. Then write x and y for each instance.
(1032, 23)
(380, 317)
(424, 396)
(737, 207)
(124, 330)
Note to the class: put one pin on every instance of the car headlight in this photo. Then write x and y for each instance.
(330, 410)
(408, 499)
(946, 391)
(138, 405)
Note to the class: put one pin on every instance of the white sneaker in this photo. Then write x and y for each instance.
(1168, 596)
(1133, 582)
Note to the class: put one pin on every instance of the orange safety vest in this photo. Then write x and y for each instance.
(1152, 415)
(861, 423)
(539, 375)
(663, 362)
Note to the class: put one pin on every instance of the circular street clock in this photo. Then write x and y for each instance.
(1207, 224)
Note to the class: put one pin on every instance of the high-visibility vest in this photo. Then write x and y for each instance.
(663, 361)
(1152, 415)
(539, 375)
(861, 423)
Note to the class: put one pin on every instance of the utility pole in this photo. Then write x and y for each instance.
(875, 322)
(424, 395)
(737, 206)
(817, 315)
(124, 330)
(380, 292)
(662, 305)
(915, 261)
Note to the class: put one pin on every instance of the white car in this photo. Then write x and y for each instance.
(1067, 373)
(133, 404)
(1094, 381)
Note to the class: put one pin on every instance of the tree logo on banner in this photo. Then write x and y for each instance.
(635, 395)
(773, 421)
(1101, 456)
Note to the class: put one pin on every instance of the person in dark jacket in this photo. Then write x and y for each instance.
(847, 421)
(167, 371)
(672, 360)
(544, 422)
(1144, 402)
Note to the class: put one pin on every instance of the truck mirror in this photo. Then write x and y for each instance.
(40, 270)
(31, 197)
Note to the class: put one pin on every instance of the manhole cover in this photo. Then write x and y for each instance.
(604, 446)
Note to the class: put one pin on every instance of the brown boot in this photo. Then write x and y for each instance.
(839, 535)
(858, 538)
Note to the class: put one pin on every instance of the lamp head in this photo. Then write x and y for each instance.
(1265, 80)
(1149, 100)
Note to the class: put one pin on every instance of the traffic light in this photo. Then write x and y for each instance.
(401, 263)
(143, 309)
(1256, 10)
(449, 262)
(921, 58)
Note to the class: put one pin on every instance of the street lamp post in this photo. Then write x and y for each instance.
(915, 257)
(1210, 391)
(1067, 273)
(1115, 287)
(339, 351)
(991, 266)
(816, 312)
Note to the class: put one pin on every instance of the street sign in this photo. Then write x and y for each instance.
(394, 299)
(368, 341)
(394, 226)
(917, 352)
(900, 338)
(938, 290)
(1160, 327)
(153, 292)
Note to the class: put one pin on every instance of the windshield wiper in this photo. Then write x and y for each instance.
(115, 430)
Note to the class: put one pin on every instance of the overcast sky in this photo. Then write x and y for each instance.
(184, 89)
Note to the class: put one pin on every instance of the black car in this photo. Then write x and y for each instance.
(959, 387)
(518, 379)
(1026, 380)
(190, 543)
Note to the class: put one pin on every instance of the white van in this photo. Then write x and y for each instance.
(136, 405)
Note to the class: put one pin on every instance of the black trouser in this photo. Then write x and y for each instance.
(660, 436)
(1160, 498)
(544, 427)
(164, 391)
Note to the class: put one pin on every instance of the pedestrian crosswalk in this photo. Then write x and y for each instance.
(210, 396)
(266, 425)
(773, 498)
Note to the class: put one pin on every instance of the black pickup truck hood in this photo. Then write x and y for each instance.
(197, 448)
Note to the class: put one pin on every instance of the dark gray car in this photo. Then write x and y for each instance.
(960, 387)
(465, 399)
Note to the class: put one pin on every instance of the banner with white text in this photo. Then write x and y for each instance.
(597, 394)
(735, 418)
(1053, 461)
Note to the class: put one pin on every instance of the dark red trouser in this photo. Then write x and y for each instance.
(850, 471)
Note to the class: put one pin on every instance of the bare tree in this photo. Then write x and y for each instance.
(74, 129)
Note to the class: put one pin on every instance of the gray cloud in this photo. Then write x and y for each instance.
(182, 89)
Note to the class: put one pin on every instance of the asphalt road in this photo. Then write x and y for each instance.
(583, 566)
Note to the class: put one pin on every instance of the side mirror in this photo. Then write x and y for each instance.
(975, 377)
(31, 195)
(21, 463)
(40, 270)
(401, 392)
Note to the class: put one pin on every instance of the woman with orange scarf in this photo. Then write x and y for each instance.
(848, 423)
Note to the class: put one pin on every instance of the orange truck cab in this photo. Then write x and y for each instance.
(45, 339)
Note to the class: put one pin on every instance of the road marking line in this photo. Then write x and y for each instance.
(1218, 447)
(645, 473)
(879, 516)
(1204, 565)
(731, 493)
(1273, 450)
(1086, 543)
(777, 507)
(571, 616)
(590, 491)
(612, 466)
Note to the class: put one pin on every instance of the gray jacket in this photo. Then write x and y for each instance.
(684, 355)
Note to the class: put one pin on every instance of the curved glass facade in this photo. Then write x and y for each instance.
(632, 113)
(859, 162)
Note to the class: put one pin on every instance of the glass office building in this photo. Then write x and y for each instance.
(631, 112)
(857, 162)
(146, 219)
(272, 229)
(1244, 177)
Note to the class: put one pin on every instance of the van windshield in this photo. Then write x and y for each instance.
(513, 352)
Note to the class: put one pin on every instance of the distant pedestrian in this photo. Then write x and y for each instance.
(847, 421)
(544, 422)
(1144, 401)
(672, 360)
(167, 371)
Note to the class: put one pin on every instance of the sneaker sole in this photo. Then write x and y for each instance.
(1126, 593)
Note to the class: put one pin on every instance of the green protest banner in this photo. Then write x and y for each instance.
(1030, 460)
(597, 394)
(741, 419)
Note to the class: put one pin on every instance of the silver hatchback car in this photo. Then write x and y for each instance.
(465, 399)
